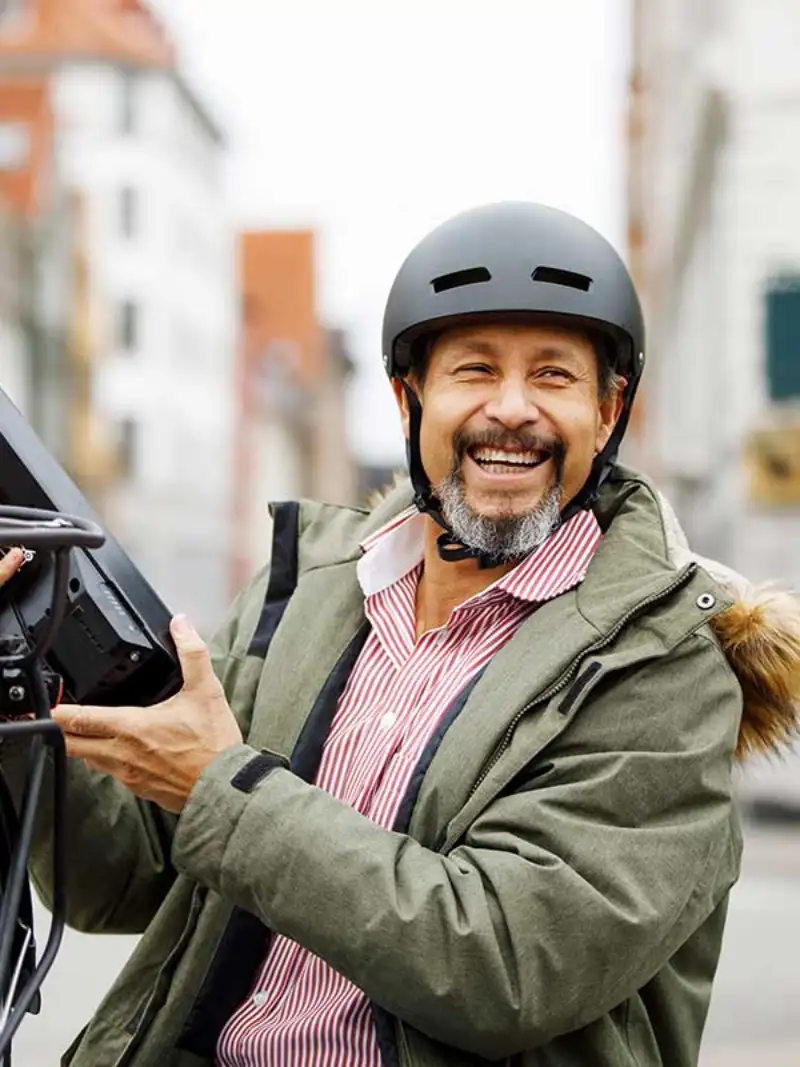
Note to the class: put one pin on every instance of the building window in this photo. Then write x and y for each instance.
(128, 212)
(14, 145)
(782, 315)
(129, 325)
(127, 440)
(127, 101)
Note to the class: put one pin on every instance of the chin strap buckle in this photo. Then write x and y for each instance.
(452, 551)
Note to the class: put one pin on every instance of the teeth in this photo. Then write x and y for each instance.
(498, 455)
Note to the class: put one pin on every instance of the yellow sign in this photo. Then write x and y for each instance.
(773, 462)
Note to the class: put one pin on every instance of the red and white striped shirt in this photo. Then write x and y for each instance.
(301, 1013)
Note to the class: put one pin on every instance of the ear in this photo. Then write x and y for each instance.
(402, 403)
(609, 411)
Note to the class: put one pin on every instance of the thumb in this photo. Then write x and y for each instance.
(192, 651)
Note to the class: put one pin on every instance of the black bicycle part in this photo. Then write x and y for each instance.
(113, 646)
(29, 688)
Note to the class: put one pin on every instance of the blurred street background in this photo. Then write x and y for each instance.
(202, 207)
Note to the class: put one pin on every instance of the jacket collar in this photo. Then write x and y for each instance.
(631, 565)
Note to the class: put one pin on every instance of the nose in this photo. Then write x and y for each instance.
(512, 404)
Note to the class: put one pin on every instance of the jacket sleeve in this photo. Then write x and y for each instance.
(118, 847)
(563, 898)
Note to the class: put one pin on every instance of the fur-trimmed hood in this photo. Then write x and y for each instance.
(760, 636)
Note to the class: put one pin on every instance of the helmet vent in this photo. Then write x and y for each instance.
(562, 277)
(471, 276)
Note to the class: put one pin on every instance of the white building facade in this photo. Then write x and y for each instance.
(147, 160)
(715, 240)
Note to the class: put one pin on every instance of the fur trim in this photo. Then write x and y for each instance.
(760, 636)
(377, 496)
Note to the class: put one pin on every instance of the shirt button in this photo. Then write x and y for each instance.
(388, 720)
(259, 999)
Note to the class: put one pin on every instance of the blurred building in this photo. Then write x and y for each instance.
(152, 268)
(291, 438)
(335, 472)
(14, 308)
(37, 244)
(714, 228)
(715, 242)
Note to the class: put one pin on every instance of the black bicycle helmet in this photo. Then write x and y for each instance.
(513, 261)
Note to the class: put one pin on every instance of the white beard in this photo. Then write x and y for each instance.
(505, 539)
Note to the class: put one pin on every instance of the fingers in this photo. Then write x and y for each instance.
(92, 750)
(79, 721)
(10, 564)
(192, 652)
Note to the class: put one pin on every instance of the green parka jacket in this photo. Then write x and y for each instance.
(554, 891)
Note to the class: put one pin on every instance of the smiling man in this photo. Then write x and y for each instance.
(455, 784)
(516, 414)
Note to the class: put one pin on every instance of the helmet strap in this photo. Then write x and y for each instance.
(604, 462)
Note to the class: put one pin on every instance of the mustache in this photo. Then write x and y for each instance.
(523, 440)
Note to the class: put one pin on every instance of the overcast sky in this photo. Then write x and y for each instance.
(372, 120)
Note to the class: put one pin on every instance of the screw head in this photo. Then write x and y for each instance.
(16, 693)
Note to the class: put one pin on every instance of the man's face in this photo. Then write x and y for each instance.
(512, 417)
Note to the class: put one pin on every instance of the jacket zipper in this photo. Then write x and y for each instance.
(572, 670)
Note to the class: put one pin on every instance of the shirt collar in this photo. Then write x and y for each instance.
(558, 565)
(392, 551)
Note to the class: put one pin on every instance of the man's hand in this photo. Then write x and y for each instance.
(10, 563)
(158, 752)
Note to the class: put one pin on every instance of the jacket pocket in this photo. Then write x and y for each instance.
(157, 995)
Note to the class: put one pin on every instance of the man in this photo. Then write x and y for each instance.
(460, 788)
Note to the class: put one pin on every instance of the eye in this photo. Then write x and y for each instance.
(474, 368)
(556, 374)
